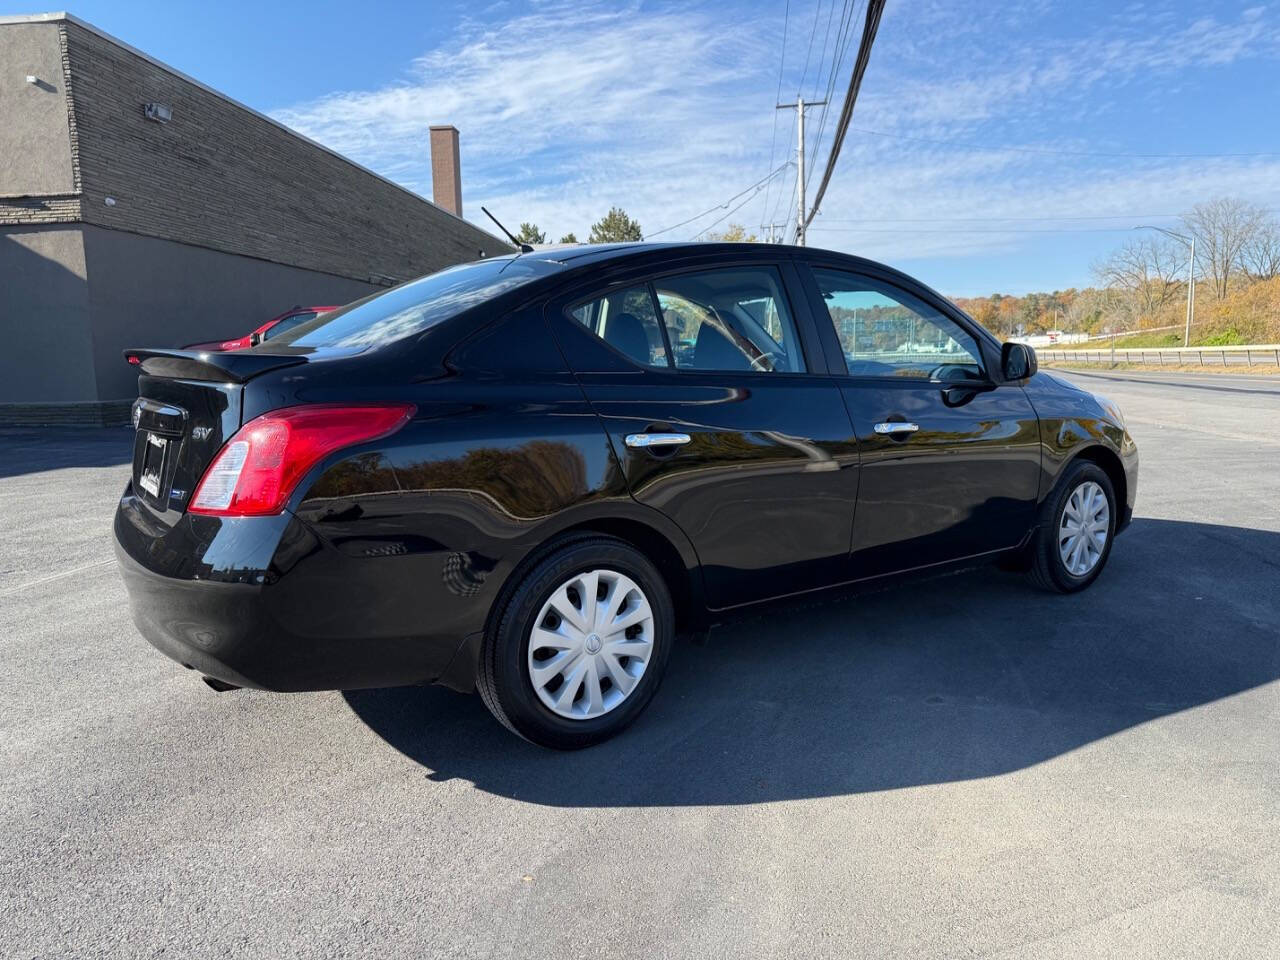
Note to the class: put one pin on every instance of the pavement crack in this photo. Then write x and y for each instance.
(19, 587)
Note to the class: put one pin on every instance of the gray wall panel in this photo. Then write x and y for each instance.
(146, 292)
(35, 144)
(44, 316)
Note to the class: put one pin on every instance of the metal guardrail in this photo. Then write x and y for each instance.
(1260, 354)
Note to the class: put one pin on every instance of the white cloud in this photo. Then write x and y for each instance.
(568, 109)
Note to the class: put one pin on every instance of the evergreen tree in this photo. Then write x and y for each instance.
(615, 227)
(529, 233)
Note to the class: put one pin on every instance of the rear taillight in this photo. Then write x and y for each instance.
(260, 466)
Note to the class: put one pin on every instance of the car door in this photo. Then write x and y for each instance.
(702, 379)
(950, 459)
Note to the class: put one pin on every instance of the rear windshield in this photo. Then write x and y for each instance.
(413, 307)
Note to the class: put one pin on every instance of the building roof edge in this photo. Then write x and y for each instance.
(63, 16)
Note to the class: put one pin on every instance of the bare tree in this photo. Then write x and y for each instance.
(1260, 255)
(1223, 228)
(1147, 273)
(733, 233)
(1085, 312)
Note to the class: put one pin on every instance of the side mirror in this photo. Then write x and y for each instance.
(256, 338)
(1017, 361)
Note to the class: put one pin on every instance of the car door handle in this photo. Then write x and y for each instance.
(642, 440)
(896, 427)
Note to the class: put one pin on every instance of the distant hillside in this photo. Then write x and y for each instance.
(1142, 285)
(1249, 313)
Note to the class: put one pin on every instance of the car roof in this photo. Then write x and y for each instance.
(615, 254)
(584, 253)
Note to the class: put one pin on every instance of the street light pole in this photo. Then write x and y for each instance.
(1191, 294)
(1191, 276)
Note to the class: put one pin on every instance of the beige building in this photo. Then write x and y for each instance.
(140, 207)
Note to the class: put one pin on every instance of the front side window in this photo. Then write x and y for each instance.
(730, 319)
(627, 321)
(885, 331)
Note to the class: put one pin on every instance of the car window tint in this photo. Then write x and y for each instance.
(288, 323)
(730, 319)
(627, 321)
(885, 331)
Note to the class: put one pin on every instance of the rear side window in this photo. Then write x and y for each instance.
(628, 322)
(730, 319)
(413, 307)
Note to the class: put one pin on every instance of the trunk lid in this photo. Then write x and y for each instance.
(189, 404)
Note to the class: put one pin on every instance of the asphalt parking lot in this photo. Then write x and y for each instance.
(955, 767)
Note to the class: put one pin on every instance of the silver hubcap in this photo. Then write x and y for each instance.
(1082, 532)
(591, 644)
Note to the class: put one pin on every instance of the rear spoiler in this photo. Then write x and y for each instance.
(235, 366)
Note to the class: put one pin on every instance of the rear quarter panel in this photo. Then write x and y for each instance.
(502, 454)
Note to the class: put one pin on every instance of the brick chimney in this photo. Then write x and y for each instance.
(446, 176)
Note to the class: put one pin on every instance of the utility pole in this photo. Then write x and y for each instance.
(771, 227)
(799, 107)
(1191, 276)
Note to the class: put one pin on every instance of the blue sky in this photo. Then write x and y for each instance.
(667, 109)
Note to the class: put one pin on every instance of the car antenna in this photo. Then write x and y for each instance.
(524, 247)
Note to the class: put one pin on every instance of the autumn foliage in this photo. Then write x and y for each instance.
(1142, 285)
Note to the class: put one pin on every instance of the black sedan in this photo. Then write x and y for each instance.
(526, 474)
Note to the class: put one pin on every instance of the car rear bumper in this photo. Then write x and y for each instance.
(262, 602)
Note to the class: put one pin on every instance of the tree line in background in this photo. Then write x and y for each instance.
(614, 227)
(617, 227)
(1142, 285)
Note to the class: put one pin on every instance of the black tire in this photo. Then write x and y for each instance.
(503, 679)
(1046, 568)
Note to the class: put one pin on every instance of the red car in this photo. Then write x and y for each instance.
(276, 325)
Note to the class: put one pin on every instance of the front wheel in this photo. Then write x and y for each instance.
(1077, 524)
(581, 646)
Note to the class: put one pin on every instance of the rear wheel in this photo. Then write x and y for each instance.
(581, 645)
(1076, 527)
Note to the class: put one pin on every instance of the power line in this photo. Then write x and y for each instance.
(773, 215)
(817, 17)
(968, 230)
(1048, 219)
(782, 195)
(826, 39)
(1061, 153)
(844, 36)
(757, 187)
(726, 216)
(874, 10)
(782, 62)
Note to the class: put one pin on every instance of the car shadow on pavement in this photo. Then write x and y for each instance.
(930, 681)
(26, 450)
